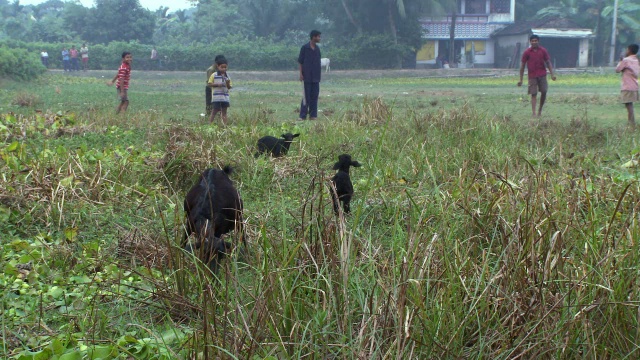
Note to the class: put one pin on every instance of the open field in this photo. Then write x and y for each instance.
(475, 231)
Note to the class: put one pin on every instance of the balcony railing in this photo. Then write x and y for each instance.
(462, 18)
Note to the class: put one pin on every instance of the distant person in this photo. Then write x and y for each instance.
(207, 90)
(221, 84)
(44, 57)
(65, 60)
(537, 60)
(630, 69)
(84, 53)
(74, 59)
(310, 72)
(122, 83)
(154, 57)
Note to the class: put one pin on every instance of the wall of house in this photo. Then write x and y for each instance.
(426, 57)
(489, 56)
(505, 46)
(504, 18)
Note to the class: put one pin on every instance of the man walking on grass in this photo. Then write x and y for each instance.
(537, 60)
(630, 69)
(310, 72)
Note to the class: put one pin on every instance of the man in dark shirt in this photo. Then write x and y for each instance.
(537, 60)
(310, 71)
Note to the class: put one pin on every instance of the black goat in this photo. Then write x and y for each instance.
(213, 208)
(342, 182)
(277, 147)
(209, 251)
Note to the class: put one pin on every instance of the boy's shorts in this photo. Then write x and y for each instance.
(219, 105)
(85, 59)
(122, 94)
(538, 84)
(628, 96)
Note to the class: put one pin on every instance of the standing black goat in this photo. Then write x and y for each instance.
(213, 207)
(277, 147)
(342, 182)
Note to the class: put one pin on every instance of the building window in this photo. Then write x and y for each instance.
(479, 47)
(475, 7)
(500, 6)
(427, 52)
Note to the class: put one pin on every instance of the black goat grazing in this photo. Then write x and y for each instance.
(277, 147)
(213, 207)
(342, 182)
(209, 251)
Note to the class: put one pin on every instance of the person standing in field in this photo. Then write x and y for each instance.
(65, 60)
(630, 69)
(122, 81)
(154, 57)
(207, 89)
(221, 84)
(84, 53)
(74, 58)
(310, 73)
(537, 60)
(44, 57)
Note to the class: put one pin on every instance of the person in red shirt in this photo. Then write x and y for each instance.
(122, 84)
(630, 69)
(537, 60)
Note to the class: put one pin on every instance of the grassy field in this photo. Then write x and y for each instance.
(475, 232)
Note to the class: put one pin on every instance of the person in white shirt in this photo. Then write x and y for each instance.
(44, 57)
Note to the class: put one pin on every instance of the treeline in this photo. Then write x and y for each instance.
(263, 34)
(271, 29)
(364, 53)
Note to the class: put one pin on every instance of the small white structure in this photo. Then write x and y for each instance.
(568, 45)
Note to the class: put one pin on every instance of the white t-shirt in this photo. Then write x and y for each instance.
(44, 54)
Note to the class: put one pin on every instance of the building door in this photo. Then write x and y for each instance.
(563, 52)
(443, 50)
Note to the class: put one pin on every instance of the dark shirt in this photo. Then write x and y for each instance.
(310, 61)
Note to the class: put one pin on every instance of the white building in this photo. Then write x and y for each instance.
(486, 35)
(473, 45)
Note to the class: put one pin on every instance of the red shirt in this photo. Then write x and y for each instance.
(535, 59)
(124, 73)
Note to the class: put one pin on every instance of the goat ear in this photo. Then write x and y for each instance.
(336, 166)
(296, 135)
(355, 163)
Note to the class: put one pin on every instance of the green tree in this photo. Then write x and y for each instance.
(119, 20)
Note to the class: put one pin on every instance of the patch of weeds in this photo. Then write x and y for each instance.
(24, 99)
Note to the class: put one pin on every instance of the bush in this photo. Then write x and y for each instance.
(20, 64)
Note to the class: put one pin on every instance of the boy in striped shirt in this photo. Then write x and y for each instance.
(122, 84)
(220, 84)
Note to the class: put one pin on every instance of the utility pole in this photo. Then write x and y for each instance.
(613, 34)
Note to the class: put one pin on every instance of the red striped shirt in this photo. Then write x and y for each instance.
(124, 73)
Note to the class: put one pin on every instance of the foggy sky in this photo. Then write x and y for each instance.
(173, 5)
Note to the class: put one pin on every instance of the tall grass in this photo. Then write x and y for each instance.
(472, 235)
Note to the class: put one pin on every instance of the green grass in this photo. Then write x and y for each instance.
(475, 231)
